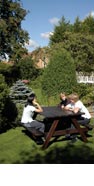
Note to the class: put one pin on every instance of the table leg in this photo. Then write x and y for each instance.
(50, 133)
(77, 126)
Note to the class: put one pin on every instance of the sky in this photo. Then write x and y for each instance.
(44, 15)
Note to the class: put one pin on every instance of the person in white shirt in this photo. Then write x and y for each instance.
(75, 106)
(30, 108)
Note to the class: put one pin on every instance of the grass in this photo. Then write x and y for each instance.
(17, 147)
(12, 143)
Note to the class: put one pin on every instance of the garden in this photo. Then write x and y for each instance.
(70, 51)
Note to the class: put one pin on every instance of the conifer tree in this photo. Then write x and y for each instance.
(59, 75)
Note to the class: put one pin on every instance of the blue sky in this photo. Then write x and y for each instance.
(44, 14)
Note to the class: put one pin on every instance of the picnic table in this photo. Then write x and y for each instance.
(56, 114)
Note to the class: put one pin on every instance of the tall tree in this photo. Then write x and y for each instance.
(78, 39)
(59, 31)
(59, 75)
(12, 36)
(77, 25)
(88, 25)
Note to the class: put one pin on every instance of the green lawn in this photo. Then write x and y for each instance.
(12, 143)
(17, 147)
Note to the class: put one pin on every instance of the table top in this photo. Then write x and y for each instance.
(57, 112)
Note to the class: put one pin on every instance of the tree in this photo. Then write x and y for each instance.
(59, 31)
(77, 25)
(88, 25)
(78, 39)
(12, 36)
(27, 68)
(60, 74)
(81, 48)
(83, 27)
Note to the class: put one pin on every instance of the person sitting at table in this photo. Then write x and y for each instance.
(75, 106)
(64, 99)
(63, 102)
(31, 107)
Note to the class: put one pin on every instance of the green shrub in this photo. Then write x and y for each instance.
(60, 74)
(10, 72)
(86, 93)
(27, 68)
(8, 110)
(3, 95)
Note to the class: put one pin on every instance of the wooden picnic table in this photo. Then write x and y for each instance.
(56, 114)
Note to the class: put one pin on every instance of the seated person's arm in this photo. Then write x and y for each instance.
(68, 108)
(75, 110)
(38, 107)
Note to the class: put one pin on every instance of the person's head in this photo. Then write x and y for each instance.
(30, 99)
(73, 97)
(62, 96)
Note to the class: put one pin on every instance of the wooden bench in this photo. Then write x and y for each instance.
(35, 133)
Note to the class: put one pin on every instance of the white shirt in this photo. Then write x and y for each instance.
(28, 114)
(81, 107)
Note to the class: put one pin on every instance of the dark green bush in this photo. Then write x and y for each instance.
(27, 68)
(8, 110)
(60, 74)
(86, 93)
(10, 72)
(3, 95)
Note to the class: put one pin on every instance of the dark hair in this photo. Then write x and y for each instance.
(30, 99)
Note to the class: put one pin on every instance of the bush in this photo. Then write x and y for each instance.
(86, 93)
(10, 72)
(3, 92)
(3, 95)
(60, 74)
(8, 110)
(27, 68)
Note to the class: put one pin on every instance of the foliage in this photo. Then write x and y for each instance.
(78, 39)
(59, 31)
(87, 26)
(10, 72)
(81, 49)
(12, 36)
(19, 108)
(86, 93)
(88, 97)
(60, 74)
(3, 91)
(8, 110)
(27, 68)
(9, 115)
(77, 25)
(3, 95)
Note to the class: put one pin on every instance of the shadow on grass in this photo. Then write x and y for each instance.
(70, 154)
(55, 154)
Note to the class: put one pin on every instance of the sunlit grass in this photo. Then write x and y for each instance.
(17, 147)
